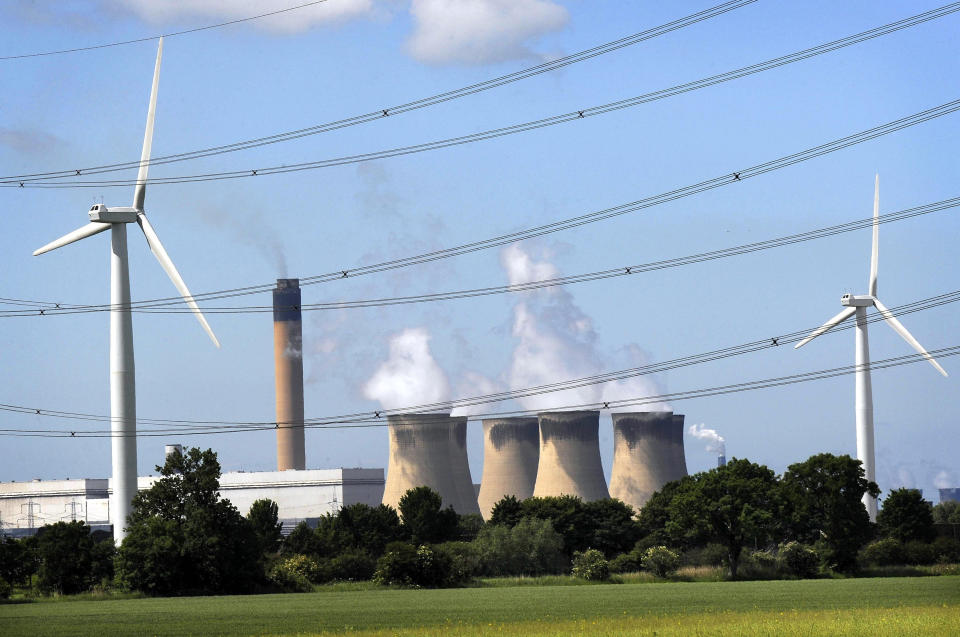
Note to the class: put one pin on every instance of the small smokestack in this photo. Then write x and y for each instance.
(288, 362)
(168, 450)
(721, 461)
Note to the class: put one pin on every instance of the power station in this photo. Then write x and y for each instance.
(569, 461)
(647, 453)
(511, 453)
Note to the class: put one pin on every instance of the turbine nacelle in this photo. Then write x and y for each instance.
(854, 300)
(101, 214)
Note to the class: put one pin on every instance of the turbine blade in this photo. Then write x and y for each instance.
(907, 336)
(141, 189)
(875, 252)
(161, 254)
(836, 320)
(92, 228)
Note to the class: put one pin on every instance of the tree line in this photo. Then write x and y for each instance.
(183, 538)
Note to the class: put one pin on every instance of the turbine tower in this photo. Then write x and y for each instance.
(123, 408)
(857, 305)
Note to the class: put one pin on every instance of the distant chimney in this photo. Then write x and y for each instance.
(171, 449)
(288, 362)
(721, 461)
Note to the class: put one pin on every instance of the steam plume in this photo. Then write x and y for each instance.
(715, 442)
(410, 376)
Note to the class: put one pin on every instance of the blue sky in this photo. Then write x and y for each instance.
(348, 57)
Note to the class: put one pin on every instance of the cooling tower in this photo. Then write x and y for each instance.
(428, 450)
(647, 454)
(460, 467)
(511, 451)
(288, 362)
(569, 461)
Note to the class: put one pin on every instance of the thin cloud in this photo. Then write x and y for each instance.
(480, 31)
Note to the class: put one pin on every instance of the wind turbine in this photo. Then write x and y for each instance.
(857, 305)
(123, 406)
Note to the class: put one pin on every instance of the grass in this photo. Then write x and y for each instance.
(923, 605)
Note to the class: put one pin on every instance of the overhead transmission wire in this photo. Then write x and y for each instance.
(765, 383)
(162, 35)
(587, 218)
(62, 180)
(178, 426)
(424, 102)
(37, 308)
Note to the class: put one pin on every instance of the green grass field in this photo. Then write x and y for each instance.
(887, 606)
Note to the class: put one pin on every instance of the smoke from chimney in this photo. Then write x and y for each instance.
(288, 364)
(410, 376)
(715, 442)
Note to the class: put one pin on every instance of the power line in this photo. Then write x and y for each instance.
(720, 390)
(380, 113)
(66, 179)
(170, 426)
(163, 35)
(39, 308)
(592, 217)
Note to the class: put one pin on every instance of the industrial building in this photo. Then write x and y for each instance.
(300, 495)
(569, 462)
(511, 453)
(647, 453)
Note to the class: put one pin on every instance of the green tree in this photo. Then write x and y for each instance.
(69, 560)
(906, 516)
(569, 518)
(182, 537)
(947, 513)
(735, 505)
(370, 528)
(301, 541)
(423, 519)
(653, 517)
(823, 505)
(18, 560)
(615, 530)
(507, 512)
(264, 519)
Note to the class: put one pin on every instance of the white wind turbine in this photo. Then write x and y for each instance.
(123, 408)
(857, 305)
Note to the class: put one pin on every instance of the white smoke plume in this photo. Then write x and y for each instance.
(410, 376)
(715, 442)
(944, 480)
(556, 341)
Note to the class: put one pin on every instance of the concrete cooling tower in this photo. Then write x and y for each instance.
(511, 451)
(570, 456)
(429, 450)
(647, 454)
(288, 362)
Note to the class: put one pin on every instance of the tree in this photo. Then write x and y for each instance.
(370, 528)
(947, 513)
(182, 537)
(736, 505)
(614, 529)
(18, 560)
(423, 519)
(569, 518)
(906, 516)
(531, 547)
(264, 519)
(301, 541)
(70, 562)
(507, 512)
(823, 505)
(653, 517)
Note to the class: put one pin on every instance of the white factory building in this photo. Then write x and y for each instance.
(300, 495)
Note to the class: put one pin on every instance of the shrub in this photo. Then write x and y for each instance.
(626, 563)
(5, 589)
(532, 547)
(464, 560)
(660, 561)
(403, 564)
(711, 554)
(591, 565)
(946, 549)
(918, 553)
(351, 566)
(885, 552)
(295, 573)
(798, 559)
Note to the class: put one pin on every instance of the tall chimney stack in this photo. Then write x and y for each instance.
(288, 361)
